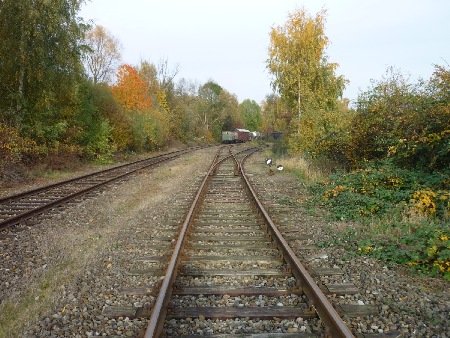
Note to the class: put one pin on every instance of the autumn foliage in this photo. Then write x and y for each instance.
(131, 91)
(305, 80)
(409, 123)
(398, 145)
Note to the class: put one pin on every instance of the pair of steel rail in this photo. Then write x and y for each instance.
(335, 326)
(28, 204)
(17, 208)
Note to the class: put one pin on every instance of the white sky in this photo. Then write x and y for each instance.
(227, 40)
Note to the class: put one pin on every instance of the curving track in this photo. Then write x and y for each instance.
(17, 208)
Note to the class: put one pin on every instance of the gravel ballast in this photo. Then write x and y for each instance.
(56, 277)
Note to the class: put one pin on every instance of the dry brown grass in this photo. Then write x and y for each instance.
(303, 168)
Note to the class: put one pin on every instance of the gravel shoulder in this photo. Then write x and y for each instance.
(62, 265)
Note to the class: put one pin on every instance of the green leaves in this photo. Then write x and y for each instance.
(407, 122)
(381, 190)
(404, 215)
(40, 54)
(250, 113)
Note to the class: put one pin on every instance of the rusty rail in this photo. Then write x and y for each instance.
(122, 169)
(156, 322)
(159, 310)
(334, 324)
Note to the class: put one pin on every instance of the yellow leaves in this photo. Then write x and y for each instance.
(104, 53)
(392, 150)
(443, 266)
(432, 251)
(12, 145)
(306, 81)
(425, 201)
(394, 182)
(366, 249)
(436, 250)
(435, 254)
(296, 51)
(334, 192)
(162, 101)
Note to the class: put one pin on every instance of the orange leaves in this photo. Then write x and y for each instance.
(147, 126)
(131, 91)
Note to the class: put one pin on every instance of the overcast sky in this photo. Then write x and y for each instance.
(227, 41)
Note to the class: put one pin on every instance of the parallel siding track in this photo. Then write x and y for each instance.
(17, 208)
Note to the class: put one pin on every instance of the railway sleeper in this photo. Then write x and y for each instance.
(232, 312)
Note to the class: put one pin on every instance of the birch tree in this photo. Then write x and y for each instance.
(40, 65)
(303, 77)
(103, 55)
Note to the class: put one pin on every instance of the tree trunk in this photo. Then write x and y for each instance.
(21, 76)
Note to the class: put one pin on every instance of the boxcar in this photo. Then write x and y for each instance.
(243, 135)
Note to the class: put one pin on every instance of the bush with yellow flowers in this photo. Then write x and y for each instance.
(405, 214)
(436, 259)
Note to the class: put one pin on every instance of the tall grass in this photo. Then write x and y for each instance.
(309, 170)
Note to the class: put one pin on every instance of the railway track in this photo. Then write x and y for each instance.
(17, 208)
(230, 262)
(229, 279)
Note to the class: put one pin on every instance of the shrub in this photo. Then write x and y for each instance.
(405, 215)
(383, 189)
(13, 148)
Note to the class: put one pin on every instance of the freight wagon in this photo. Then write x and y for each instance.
(243, 135)
(229, 137)
(237, 136)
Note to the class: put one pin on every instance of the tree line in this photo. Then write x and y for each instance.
(65, 95)
(406, 122)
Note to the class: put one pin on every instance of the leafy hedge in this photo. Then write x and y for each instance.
(408, 122)
(398, 145)
(382, 188)
(405, 214)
